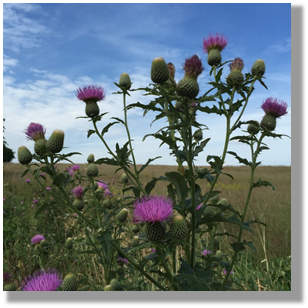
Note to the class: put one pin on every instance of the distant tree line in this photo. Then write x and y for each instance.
(8, 153)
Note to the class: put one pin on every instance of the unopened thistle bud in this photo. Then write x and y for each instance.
(171, 70)
(253, 128)
(70, 282)
(223, 201)
(236, 77)
(24, 155)
(198, 135)
(125, 81)
(219, 254)
(40, 146)
(122, 215)
(69, 243)
(159, 71)
(92, 170)
(10, 287)
(107, 203)
(78, 204)
(258, 68)
(90, 158)
(135, 241)
(178, 226)
(135, 229)
(109, 287)
(124, 178)
(55, 141)
(116, 284)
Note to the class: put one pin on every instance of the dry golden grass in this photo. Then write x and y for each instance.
(272, 207)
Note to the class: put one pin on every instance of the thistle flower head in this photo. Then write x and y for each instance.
(274, 107)
(77, 192)
(45, 280)
(7, 277)
(90, 93)
(152, 209)
(102, 185)
(171, 70)
(205, 252)
(37, 239)
(214, 42)
(193, 66)
(237, 64)
(35, 131)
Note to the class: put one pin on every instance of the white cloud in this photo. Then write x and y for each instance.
(19, 31)
(8, 63)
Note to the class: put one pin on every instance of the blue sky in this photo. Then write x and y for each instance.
(49, 50)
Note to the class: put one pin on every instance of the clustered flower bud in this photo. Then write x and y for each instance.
(236, 77)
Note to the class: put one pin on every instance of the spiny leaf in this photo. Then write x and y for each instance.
(263, 183)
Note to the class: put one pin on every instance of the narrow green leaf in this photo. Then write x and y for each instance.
(90, 132)
(263, 183)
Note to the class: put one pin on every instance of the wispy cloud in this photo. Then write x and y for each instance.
(20, 31)
(280, 47)
(8, 63)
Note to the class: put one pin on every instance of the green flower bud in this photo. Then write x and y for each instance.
(55, 142)
(90, 159)
(258, 68)
(69, 243)
(122, 215)
(70, 282)
(178, 226)
(125, 81)
(92, 170)
(159, 71)
(24, 155)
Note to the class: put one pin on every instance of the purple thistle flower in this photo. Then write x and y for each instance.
(274, 107)
(48, 188)
(214, 42)
(108, 194)
(35, 131)
(90, 93)
(7, 277)
(35, 201)
(199, 207)
(15, 207)
(75, 167)
(102, 185)
(27, 180)
(193, 66)
(121, 261)
(78, 191)
(225, 271)
(32, 205)
(205, 252)
(237, 64)
(153, 249)
(46, 280)
(152, 209)
(70, 172)
(37, 239)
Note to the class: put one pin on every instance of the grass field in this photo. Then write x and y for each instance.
(273, 207)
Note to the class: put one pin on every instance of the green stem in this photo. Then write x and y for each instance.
(163, 262)
(128, 135)
(243, 216)
(193, 201)
(135, 265)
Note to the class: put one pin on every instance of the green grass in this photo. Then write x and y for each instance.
(266, 269)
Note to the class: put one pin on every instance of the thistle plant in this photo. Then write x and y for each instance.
(138, 236)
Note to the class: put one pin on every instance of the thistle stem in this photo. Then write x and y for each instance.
(136, 266)
(243, 216)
